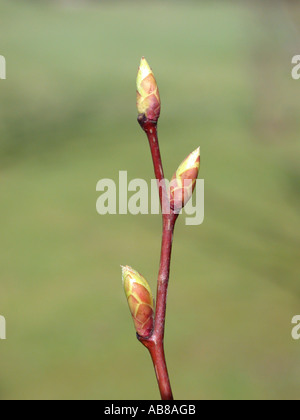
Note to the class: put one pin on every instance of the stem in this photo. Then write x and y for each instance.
(155, 343)
(163, 276)
(157, 353)
(150, 128)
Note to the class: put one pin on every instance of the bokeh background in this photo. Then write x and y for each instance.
(68, 119)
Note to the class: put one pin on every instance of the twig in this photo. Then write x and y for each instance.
(150, 327)
(155, 343)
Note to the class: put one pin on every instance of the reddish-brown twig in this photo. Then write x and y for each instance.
(155, 343)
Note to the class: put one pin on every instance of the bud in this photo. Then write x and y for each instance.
(183, 182)
(148, 99)
(140, 301)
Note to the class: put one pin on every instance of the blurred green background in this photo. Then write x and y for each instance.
(68, 119)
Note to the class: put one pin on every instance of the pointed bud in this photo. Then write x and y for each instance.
(140, 301)
(184, 181)
(148, 99)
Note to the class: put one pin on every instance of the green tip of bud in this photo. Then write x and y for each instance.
(140, 301)
(184, 181)
(144, 70)
(148, 99)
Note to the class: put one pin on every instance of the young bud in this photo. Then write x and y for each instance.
(184, 180)
(148, 99)
(140, 301)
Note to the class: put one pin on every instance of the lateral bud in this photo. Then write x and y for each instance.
(184, 181)
(140, 301)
